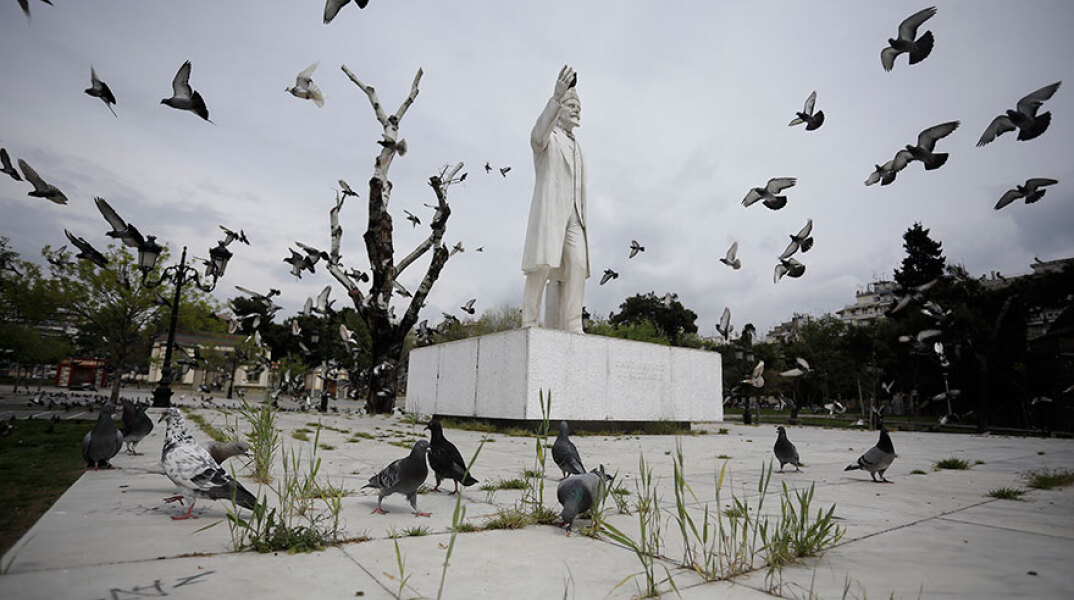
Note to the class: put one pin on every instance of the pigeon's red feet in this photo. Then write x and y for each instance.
(418, 513)
(183, 517)
(178, 499)
(378, 511)
(436, 489)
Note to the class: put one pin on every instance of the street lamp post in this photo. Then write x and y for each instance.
(180, 274)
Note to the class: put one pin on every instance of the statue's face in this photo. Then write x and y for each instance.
(570, 114)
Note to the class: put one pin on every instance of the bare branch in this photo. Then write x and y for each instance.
(409, 99)
(372, 93)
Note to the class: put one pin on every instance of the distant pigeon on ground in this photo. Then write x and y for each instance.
(403, 476)
(731, 258)
(5, 163)
(789, 267)
(136, 425)
(926, 143)
(885, 174)
(769, 191)
(193, 470)
(102, 442)
(305, 88)
(566, 454)
(1031, 191)
(807, 116)
(635, 247)
(445, 459)
(221, 451)
(1025, 119)
(785, 451)
(800, 241)
(86, 251)
(100, 89)
(183, 96)
(877, 459)
(578, 493)
(608, 276)
(724, 326)
(908, 40)
(41, 189)
(332, 7)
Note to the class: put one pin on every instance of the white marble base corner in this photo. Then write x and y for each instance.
(591, 378)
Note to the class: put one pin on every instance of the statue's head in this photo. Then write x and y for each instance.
(570, 113)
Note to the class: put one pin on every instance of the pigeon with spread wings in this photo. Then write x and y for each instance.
(908, 40)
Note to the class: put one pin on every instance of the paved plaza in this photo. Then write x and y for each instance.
(931, 535)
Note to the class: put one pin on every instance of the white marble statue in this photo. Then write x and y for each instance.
(556, 254)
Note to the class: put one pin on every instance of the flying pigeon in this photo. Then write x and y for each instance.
(724, 326)
(86, 251)
(608, 276)
(731, 259)
(445, 459)
(41, 189)
(803, 368)
(1025, 119)
(5, 162)
(799, 241)
(347, 191)
(835, 407)
(332, 7)
(221, 451)
(908, 40)
(1031, 191)
(566, 454)
(305, 88)
(488, 168)
(926, 143)
(136, 425)
(347, 335)
(578, 493)
(299, 263)
(102, 442)
(885, 174)
(807, 116)
(456, 249)
(183, 96)
(399, 146)
(504, 171)
(315, 254)
(469, 306)
(769, 191)
(414, 220)
(403, 476)
(101, 90)
(789, 267)
(323, 305)
(25, 4)
(231, 236)
(193, 470)
(914, 294)
(876, 459)
(785, 451)
(756, 377)
(121, 230)
(635, 247)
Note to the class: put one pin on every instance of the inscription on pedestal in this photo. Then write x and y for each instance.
(638, 370)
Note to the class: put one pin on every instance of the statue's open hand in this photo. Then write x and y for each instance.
(564, 82)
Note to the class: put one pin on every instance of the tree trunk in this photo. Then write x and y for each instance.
(384, 374)
(116, 383)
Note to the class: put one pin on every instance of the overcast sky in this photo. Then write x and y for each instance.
(685, 107)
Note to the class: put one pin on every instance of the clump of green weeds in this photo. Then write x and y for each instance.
(1006, 493)
(1049, 479)
(953, 463)
(263, 438)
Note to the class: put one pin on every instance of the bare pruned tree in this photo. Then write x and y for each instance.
(387, 330)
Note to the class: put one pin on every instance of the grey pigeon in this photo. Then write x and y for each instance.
(102, 442)
(785, 451)
(807, 116)
(25, 4)
(332, 7)
(635, 247)
(608, 276)
(184, 97)
(221, 451)
(876, 459)
(193, 470)
(789, 267)
(100, 89)
(566, 454)
(1030, 191)
(1025, 119)
(445, 459)
(136, 425)
(908, 40)
(769, 191)
(800, 241)
(121, 230)
(86, 251)
(41, 188)
(731, 259)
(469, 306)
(578, 493)
(305, 88)
(724, 326)
(926, 143)
(403, 476)
(885, 174)
(5, 165)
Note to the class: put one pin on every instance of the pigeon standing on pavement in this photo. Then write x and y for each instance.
(403, 476)
(876, 459)
(194, 471)
(445, 459)
(221, 451)
(183, 96)
(100, 89)
(566, 454)
(102, 442)
(785, 451)
(908, 40)
(1025, 119)
(578, 493)
(136, 425)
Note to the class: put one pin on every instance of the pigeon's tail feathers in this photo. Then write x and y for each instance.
(1040, 123)
(852, 467)
(937, 161)
(233, 490)
(818, 120)
(923, 47)
(469, 480)
(1037, 195)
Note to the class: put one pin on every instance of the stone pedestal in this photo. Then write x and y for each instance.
(591, 378)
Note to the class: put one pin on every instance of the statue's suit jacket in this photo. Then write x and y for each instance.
(553, 194)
